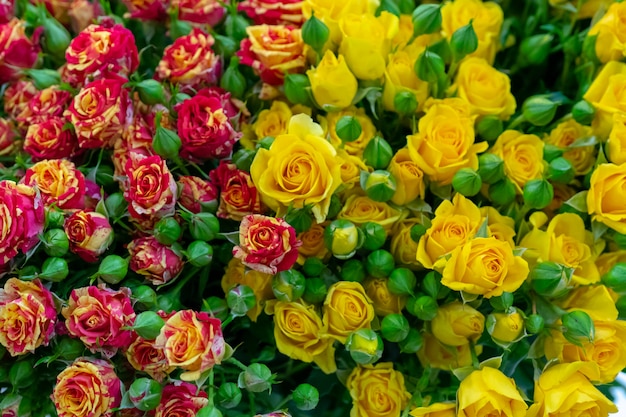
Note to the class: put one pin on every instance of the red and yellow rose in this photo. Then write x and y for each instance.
(197, 194)
(207, 12)
(89, 234)
(181, 399)
(239, 196)
(273, 12)
(156, 262)
(50, 140)
(17, 50)
(144, 356)
(59, 182)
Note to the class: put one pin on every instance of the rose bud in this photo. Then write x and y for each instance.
(208, 12)
(147, 9)
(379, 263)
(489, 128)
(379, 185)
(315, 290)
(229, 395)
(56, 38)
(50, 140)
(288, 285)
(98, 112)
(365, 346)
(538, 193)
(197, 195)
(433, 287)
(8, 143)
(59, 182)
(114, 312)
(578, 327)
(429, 67)
(233, 80)
(374, 235)
(88, 60)
(377, 153)
(561, 170)
(505, 328)
(315, 33)
(423, 307)
(240, 300)
(113, 269)
(539, 110)
(426, 19)
(412, 343)
(150, 92)
(583, 112)
(181, 399)
(394, 327)
(490, 168)
(405, 102)
(156, 262)
(348, 128)
(216, 307)
(313, 267)
(503, 302)
(306, 397)
(297, 89)
(273, 12)
(145, 393)
(239, 196)
(300, 219)
(167, 231)
(116, 205)
(145, 296)
(502, 192)
(199, 253)
(166, 142)
(266, 244)
(148, 325)
(256, 378)
(463, 42)
(467, 182)
(615, 278)
(18, 51)
(204, 129)
(535, 324)
(353, 270)
(204, 226)
(402, 281)
(89, 233)
(550, 279)
(190, 62)
(343, 238)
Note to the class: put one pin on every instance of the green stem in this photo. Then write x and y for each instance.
(227, 321)
(200, 170)
(475, 362)
(284, 402)
(211, 388)
(516, 122)
(181, 165)
(236, 363)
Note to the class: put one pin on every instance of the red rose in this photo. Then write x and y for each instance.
(196, 194)
(266, 244)
(208, 12)
(238, 194)
(17, 51)
(204, 129)
(232, 107)
(135, 143)
(7, 137)
(17, 96)
(59, 183)
(50, 140)
(144, 356)
(99, 317)
(273, 12)
(181, 399)
(89, 233)
(156, 262)
(7, 10)
(147, 9)
(21, 219)
(99, 51)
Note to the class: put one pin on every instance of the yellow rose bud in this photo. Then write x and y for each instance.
(403, 247)
(409, 178)
(522, 155)
(564, 135)
(332, 83)
(437, 355)
(607, 94)
(456, 324)
(606, 196)
(347, 309)
(505, 327)
(361, 209)
(384, 301)
(273, 121)
(489, 391)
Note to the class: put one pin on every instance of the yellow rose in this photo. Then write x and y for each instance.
(384, 301)
(273, 121)
(360, 209)
(368, 130)
(455, 223)
(563, 135)
(313, 243)
(499, 226)
(565, 390)
(506, 327)
(487, 90)
(607, 260)
(589, 8)
(351, 169)
(435, 410)
(595, 300)
(400, 77)
(405, 33)
(402, 246)
(611, 34)
(617, 139)
(522, 155)
(456, 324)
(377, 391)
(300, 334)
(487, 392)
(347, 309)
(299, 169)
(409, 178)
(445, 140)
(434, 354)
(484, 266)
(486, 20)
(606, 196)
(236, 273)
(607, 94)
(332, 83)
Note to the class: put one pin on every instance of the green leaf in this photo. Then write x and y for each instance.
(598, 229)
(583, 142)
(483, 230)
(579, 201)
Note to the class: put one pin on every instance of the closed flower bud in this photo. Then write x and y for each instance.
(429, 67)
(343, 238)
(405, 102)
(379, 186)
(490, 168)
(148, 325)
(379, 263)
(578, 327)
(374, 235)
(348, 128)
(417, 231)
(539, 110)
(561, 170)
(402, 281)
(256, 378)
(467, 182)
(505, 328)
(236, 25)
(538, 193)
(616, 277)
(377, 153)
(44, 78)
(55, 242)
(233, 80)
(550, 278)
(489, 128)
(315, 291)
(113, 269)
(502, 192)
(503, 302)
(167, 230)
(145, 393)
(54, 269)
(583, 112)
(315, 33)
(240, 300)
(166, 143)
(313, 267)
(150, 92)
(412, 343)
(56, 37)
(116, 205)
(534, 324)
(424, 307)
(433, 287)
(145, 296)
(204, 226)
(426, 19)
(395, 327)
(224, 45)
(620, 304)
(365, 346)
(300, 219)
(199, 253)
(54, 218)
(297, 87)
(463, 41)
(229, 395)
(535, 49)
(306, 397)
(551, 152)
(209, 411)
(243, 159)
(288, 285)
(353, 270)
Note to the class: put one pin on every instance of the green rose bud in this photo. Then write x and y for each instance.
(489, 128)
(463, 42)
(534, 324)
(256, 378)
(145, 394)
(116, 205)
(113, 269)
(502, 192)
(561, 170)
(374, 235)
(224, 45)
(430, 67)
(353, 270)
(424, 307)
(148, 325)
(243, 159)
(405, 103)
(380, 185)
(145, 296)
(551, 152)
(288, 285)
(417, 231)
(535, 49)
(348, 128)
(538, 194)
(56, 37)
(150, 92)
(620, 304)
(180, 97)
(166, 142)
(315, 290)
(69, 348)
(395, 327)
(297, 87)
(343, 238)
(55, 242)
(54, 269)
(539, 110)
(209, 411)
(388, 6)
(240, 300)
(167, 231)
(22, 373)
(377, 153)
(426, 19)
(365, 346)
(43, 78)
(412, 342)
(204, 226)
(313, 267)
(236, 25)
(300, 219)
(54, 218)
(379, 263)
(233, 80)
(315, 33)
(199, 253)
(550, 278)
(490, 168)
(503, 302)
(217, 306)
(229, 395)
(578, 327)
(266, 142)
(583, 112)
(616, 277)
(402, 281)
(467, 182)
(306, 397)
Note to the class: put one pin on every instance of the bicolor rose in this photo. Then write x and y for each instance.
(208, 12)
(266, 244)
(156, 262)
(192, 341)
(238, 194)
(89, 233)
(147, 9)
(181, 399)
(47, 103)
(8, 142)
(17, 51)
(273, 12)
(98, 316)
(134, 144)
(7, 10)
(16, 97)
(144, 356)
(197, 194)
(50, 140)
(59, 182)
(272, 51)
(27, 316)
(88, 387)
